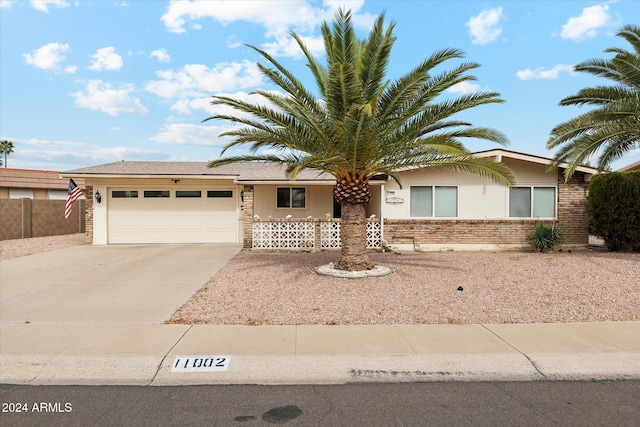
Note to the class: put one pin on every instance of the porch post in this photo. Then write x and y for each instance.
(247, 217)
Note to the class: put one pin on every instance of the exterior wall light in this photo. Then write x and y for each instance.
(98, 197)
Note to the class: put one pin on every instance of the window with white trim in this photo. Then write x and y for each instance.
(290, 197)
(20, 193)
(433, 201)
(532, 202)
(57, 194)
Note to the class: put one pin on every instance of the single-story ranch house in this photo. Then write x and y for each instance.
(255, 204)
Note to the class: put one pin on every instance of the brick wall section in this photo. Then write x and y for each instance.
(10, 219)
(572, 215)
(247, 216)
(24, 218)
(458, 231)
(47, 218)
(88, 194)
(572, 212)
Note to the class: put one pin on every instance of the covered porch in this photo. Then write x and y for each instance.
(309, 219)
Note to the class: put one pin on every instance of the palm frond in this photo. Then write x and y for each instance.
(362, 124)
(613, 127)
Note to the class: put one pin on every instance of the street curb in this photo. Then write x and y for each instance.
(321, 369)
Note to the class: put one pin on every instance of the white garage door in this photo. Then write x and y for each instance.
(160, 215)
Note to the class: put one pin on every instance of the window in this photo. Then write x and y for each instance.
(188, 194)
(124, 194)
(433, 201)
(290, 197)
(532, 202)
(21, 193)
(220, 193)
(156, 193)
(56, 194)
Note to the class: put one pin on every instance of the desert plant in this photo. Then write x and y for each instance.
(359, 124)
(546, 236)
(613, 207)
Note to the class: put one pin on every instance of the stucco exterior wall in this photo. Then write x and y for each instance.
(478, 198)
(319, 201)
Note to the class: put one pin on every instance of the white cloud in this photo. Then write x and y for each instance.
(233, 42)
(277, 17)
(189, 134)
(161, 55)
(200, 80)
(464, 88)
(273, 14)
(51, 143)
(103, 97)
(43, 5)
(284, 45)
(106, 59)
(485, 28)
(586, 24)
(111, 154)
(186, 106)
(540, 73)
(71, 69)
(63, 155)
(48, 56)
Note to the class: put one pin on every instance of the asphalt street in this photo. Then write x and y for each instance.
(532, 403)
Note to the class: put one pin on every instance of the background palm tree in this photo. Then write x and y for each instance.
(6, 147)
(362, 124)
(613, 128)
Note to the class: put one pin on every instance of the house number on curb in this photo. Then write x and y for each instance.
(200, 364)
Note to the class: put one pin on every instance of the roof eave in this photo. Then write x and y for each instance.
(145, 176)
(287, 181)
(533, 159)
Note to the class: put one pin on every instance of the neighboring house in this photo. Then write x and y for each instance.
(33, 184)
(257, 205)
(32, 204)
(630, 168)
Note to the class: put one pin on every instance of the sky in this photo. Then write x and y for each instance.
(86, 82)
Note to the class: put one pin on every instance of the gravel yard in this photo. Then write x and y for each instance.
(23, 247)
(498, 287)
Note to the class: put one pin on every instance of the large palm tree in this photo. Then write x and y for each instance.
(6, 147)
(613, 127)
(361, 124)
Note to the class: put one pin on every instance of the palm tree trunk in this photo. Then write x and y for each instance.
(353, 236)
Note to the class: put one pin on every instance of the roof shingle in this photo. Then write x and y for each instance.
(244, 172)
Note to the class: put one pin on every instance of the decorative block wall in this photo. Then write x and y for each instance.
(25, 218)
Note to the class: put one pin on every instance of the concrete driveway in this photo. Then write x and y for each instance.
(107, 284)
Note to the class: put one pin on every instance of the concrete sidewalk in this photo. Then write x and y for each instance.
(143, 354)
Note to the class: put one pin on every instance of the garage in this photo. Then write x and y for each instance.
(168, 215)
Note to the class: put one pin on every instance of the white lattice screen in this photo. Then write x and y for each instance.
(283, 235)
(302, 234)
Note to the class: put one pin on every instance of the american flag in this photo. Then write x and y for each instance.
(73, 194)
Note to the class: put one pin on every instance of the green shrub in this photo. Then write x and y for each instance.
(546, 236)
(613, 207)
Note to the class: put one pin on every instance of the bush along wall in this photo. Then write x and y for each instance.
(613, 207)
